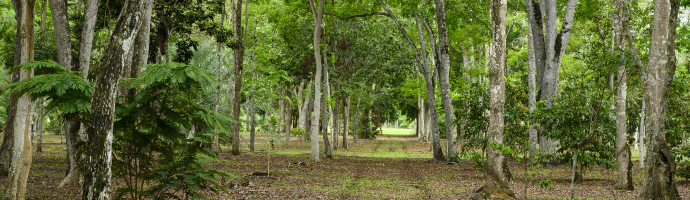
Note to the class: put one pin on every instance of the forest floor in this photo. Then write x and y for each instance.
(392, 166)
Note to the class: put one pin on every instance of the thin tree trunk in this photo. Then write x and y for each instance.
(431, 97)
(288, 119)
(86, 41)
(499, 179)
(118, 54)
(444, 81)
(318, 19)
(238, 57)
(39, 126)
(346, 121)
(659, 179)
(19, 117)
(357, 118)
(216, 145)
(304, 111)
(573, 177)
(252, 130)
(281, 110)
(324, 127)
(623, 163)
(531, 81)
(336, 124)
(44, 16)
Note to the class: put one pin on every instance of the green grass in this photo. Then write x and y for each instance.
(397, 131)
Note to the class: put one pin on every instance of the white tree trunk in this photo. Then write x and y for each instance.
(499, 179)
(118, 54)
(318, 19)
(623, 163)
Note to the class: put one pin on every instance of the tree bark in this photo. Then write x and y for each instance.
(532, 82)
(318, 19)
(623, 163)
(346, 121)
(336, 123)
(39, 126)
(238, 58)
(444, 72)
(431, 97)
(499, 179)
(44, 16)
(357, 117)
(86, 41)
(19, 116)
(288, 119)
(660, 166)
(216, 145)
(118, 54)
(324, 127)
(252, 129)
(304, 110)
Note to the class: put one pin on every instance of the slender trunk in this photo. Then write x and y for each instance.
(281, 110)
(336, 124)
(499, 178)
(39, 126)
(288, 120)
(623, 163)
(252, 130)
(118, 54)
(531, 80)
(346, 122)
(86, 41)
(431, 97)
(443, 67)
(659, 180)
(19, 117)
(318, 19)
(357, 118)
(44, 16)
(324, 128)
(216, 145)
(641, 134)
(238, 57)
(573, 177)
(304, 111)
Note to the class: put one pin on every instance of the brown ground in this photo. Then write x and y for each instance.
(390, 167)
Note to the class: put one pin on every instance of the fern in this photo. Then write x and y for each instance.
(68, 91)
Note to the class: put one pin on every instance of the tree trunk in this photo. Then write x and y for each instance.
(281, 110)
(346, 122)
(660, 166)
(531, 81)
(238, 57)
(623, 163)
(252, 129)
(324, 127)
(39, 126)
(86, 41)
(421, 118)
(336, 124)
(431, 97)
(288, 119)
(118, 54)
(304, 110)
(44, 16)
(216, 145)
(574, 176)
(357, 119)
(19, 117)
(444, 72)
(499, 179)
(318, 19)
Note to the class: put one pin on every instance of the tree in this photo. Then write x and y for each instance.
(318, 19)
(549, 49)
(20, 109)
(498, 181)
(118, 54)
(660, 166)
(443, 75)
(623, 162)
(238, 58)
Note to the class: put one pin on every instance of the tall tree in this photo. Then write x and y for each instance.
(549, 47)
(623, 162)
(216, 145)
(58, 9)
(318, 19)
(443, 74)
(117, 54)
(20, 109)
(238, 58)
(660, 167)
(498, 182)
